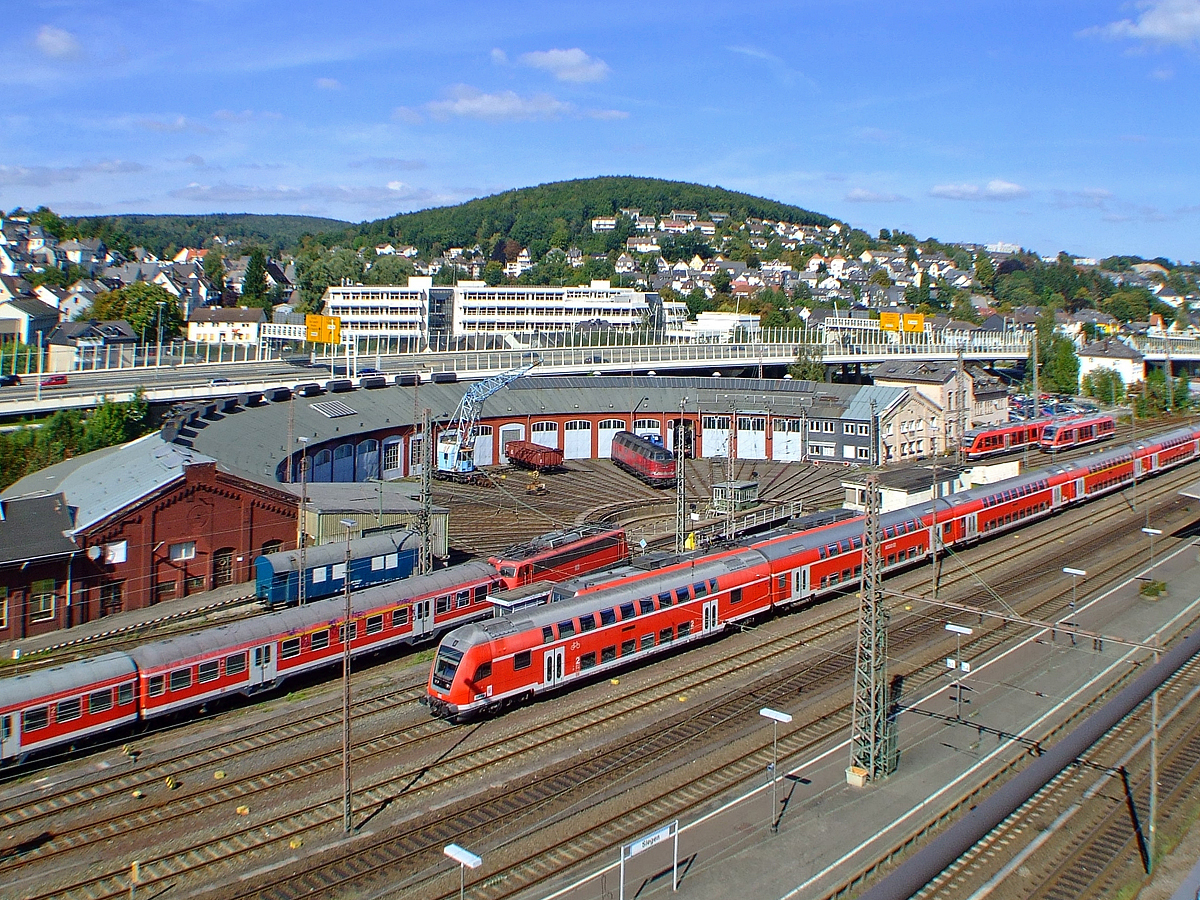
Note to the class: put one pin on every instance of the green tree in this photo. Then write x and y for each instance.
(389, 270)
(881, 278)
(1104, 384)
(1060, 371)
(808, 365)
(985, 272)
(254, 285)
(720, 281)
(143, 305)
(214, 269)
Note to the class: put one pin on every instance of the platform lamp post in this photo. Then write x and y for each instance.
(466, 860)
(347, 794)
(1151, 533)
(957, 664)
(1074, 573)
(776, 717)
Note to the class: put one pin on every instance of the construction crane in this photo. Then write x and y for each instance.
(456, 444)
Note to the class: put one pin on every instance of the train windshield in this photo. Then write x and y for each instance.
(445, 666)
(1048, 432)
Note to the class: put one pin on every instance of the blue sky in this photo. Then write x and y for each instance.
(1055, 125)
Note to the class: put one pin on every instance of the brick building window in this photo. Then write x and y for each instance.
(110, 598)
(3, 607)
(164, 590)
(41, 600)
(181, 552)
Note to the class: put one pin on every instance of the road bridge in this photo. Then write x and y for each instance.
(185, 372)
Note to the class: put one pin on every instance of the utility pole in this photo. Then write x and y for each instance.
(302, 539)
(680, 485)
(347, 790)
(425, 516)
(961, 418)
(1170, 379)
(1037, 392)
(871, 756)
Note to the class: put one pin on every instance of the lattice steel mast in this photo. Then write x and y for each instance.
(871, 747)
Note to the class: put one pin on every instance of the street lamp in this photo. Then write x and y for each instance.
(776, 717)
(465, 859)
(1074, 573)
(348, 524)
(1152, 532)
(957, 663)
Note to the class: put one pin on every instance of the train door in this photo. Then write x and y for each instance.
(970, 527)
(710, 617)
(8, 739)
(422, 621)
(262, 670)
(553, 661)
(801, 585)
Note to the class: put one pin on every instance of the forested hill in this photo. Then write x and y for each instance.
(162, 233)
(559, 214)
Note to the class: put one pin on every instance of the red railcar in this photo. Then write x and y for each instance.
(528, 455)
(561, 555)
(993, 439)
(1061, 434)
(651, 462)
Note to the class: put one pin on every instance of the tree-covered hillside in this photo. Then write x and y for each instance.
(161, 233)
(560, 214)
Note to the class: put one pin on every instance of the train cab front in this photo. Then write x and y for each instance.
(441, 687)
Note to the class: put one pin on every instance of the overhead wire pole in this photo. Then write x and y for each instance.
(680, 484)
(960, 425)
(425, 516)
(871, 756)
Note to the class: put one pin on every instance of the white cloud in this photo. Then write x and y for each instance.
(57, 43)
(499, 57)
(468, 102)
(1159, 22)
(862, 195)
(608, 114)
(387, 162)
(308, 197)
(43, 176)
(782, 70)
(567, 65)
(993, 190)
(177, 124)
(328, 84)
(1163, 74)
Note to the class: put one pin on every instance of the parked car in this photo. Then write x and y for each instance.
(54, 380)
(9, 380)
(217, 382)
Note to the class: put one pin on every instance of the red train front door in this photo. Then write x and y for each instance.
(8, 741)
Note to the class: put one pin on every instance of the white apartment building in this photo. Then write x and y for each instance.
(382, 310)
(479, 308)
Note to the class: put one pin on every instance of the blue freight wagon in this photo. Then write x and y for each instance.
(375, 559)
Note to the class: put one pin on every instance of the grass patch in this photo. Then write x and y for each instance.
(1153, 589)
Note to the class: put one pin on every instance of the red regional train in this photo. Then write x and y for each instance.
(49, 708)
(652, 463)
(1061, 434)
(982, 442)
(509, 660)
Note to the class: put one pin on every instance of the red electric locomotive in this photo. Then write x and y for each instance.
(561, 555)
(1061, 434)
(652, 463)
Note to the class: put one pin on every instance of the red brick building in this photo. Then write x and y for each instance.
(153, 521)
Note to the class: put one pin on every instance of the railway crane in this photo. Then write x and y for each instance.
(456, 445)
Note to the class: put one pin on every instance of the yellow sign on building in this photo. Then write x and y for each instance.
(889, 321)
(323, 329)
(914, 322)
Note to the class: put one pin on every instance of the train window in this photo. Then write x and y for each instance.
(399, 616)
(681, 594)
(483, 671)
(856, 543)
(891, 560)
(608, 616)
(547, 634)
(237, 663)
(666, 635)
(375, 624)
(645, 606)
(99, 701)
(700, 589)
(712, 585)
(522, 660)
(646, 642)
(289, 648)
(566, 629)
(157, 685)
(481, 591)
(35, 719)
(735, 595)
(821, 552)
(342, 633)
(846, 573)
(627, 611)
(181, 679)
(834, 578)
(685, 628)
(462, 598)
(443, 604)
(664, 600)
(587, 661)
(857, 571)
(608, 654)
(889, 531)
(125, 694)
(587, 623)
(208, 671)
(628, 647)
(844, 546)
(319, 640)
